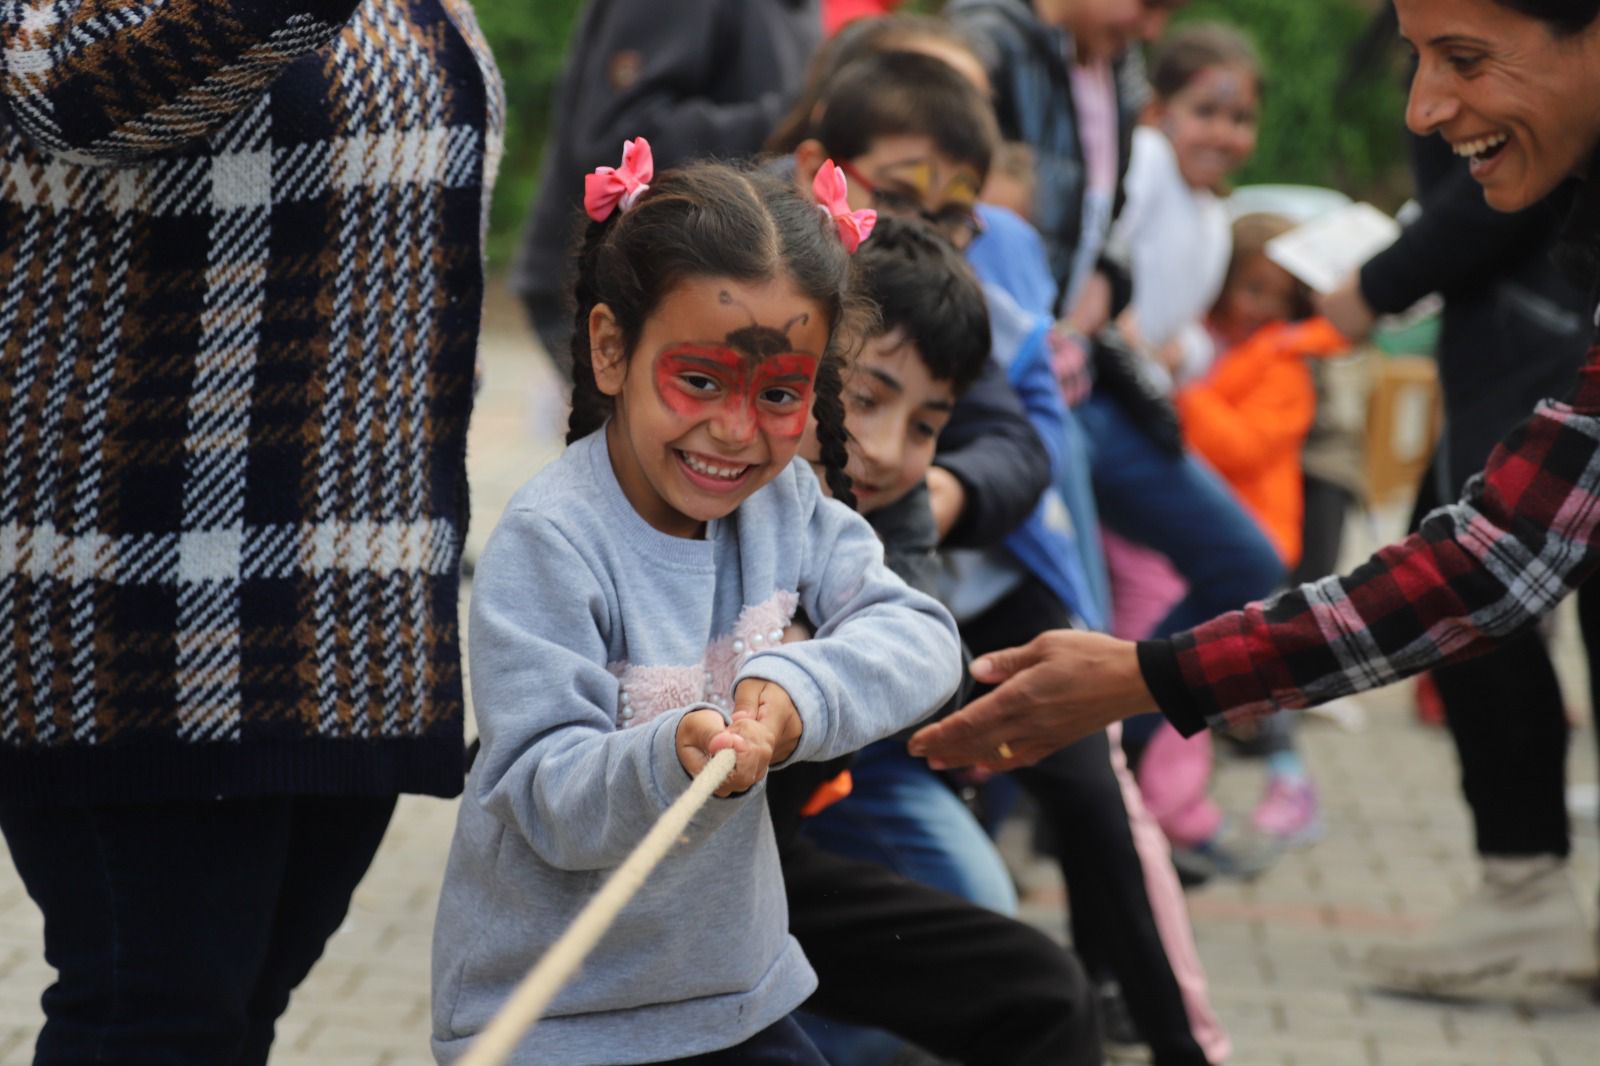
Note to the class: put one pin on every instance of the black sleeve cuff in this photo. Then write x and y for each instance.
(1158, 662)
(1121, 280)
(1390, 280)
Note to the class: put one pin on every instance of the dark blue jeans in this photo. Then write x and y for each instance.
(902, 817)
(1181, 508)
(782, 1043)
(179, 929)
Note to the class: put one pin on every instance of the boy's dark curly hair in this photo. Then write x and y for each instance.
(922, 285)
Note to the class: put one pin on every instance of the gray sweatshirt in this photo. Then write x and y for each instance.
(591, 635)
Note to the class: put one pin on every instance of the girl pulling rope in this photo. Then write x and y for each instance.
(628, 624)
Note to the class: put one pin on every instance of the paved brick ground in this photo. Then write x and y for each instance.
(1282, 954)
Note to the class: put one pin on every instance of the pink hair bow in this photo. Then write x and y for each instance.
(611, 188)
(830, 190)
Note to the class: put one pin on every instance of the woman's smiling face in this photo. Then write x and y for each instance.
(1506, 92)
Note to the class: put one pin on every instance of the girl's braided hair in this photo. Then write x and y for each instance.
(715, 220)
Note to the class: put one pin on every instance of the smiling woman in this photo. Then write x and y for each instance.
(1510, 87)
(1511, 84)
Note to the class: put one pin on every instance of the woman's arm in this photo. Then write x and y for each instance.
(1524, 535)
(107, 81)
(1458, 242)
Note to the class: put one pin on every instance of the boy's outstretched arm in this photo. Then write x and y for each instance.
(991, 448)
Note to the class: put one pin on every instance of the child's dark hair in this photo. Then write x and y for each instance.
(713, 220)
(1192, 48)
(1250, 236)
(888, 94)
(923, 286)
(857, 40)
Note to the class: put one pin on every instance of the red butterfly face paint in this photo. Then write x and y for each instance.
(746, 396)
(716, 398)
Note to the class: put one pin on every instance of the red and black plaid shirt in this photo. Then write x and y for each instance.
(1525, 534)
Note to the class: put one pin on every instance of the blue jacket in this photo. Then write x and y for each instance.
(1060, 541)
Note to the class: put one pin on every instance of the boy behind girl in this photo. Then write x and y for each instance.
(956, 978)
(915, 139)
(930, 345)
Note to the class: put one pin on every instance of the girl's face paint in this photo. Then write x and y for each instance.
(701, 424)
(772, 395)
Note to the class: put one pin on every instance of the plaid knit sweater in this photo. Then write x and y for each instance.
(1524, 535)
(240, 283)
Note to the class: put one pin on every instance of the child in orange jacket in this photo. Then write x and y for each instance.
(1249, 416)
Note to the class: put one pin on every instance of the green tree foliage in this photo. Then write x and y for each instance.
(529, 38)
(1311, 132)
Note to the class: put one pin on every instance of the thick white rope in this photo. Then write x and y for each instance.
(529, 999)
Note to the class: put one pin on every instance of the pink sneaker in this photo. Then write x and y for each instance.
(1289, 811)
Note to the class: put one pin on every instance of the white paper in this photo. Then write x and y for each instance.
(1324, 251)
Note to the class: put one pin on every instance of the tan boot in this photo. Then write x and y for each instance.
(1523, 921)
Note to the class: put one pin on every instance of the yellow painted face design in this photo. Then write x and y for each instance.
(944, 196)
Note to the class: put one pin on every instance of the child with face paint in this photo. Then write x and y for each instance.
(627, 623)
(1199, 128)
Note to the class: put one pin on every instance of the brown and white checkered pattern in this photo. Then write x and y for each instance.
(239, 292)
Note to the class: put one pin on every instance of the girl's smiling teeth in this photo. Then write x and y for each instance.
(704, 468)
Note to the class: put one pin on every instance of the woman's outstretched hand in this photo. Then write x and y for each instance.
(1059, 687)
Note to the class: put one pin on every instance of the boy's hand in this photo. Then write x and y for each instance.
(757, 701)
(947, 498)
(701, 734)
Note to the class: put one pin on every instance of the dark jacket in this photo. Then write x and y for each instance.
(1029, 66)
(1515, 328)
(237, 394)
(993, 450)
(695, 78)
